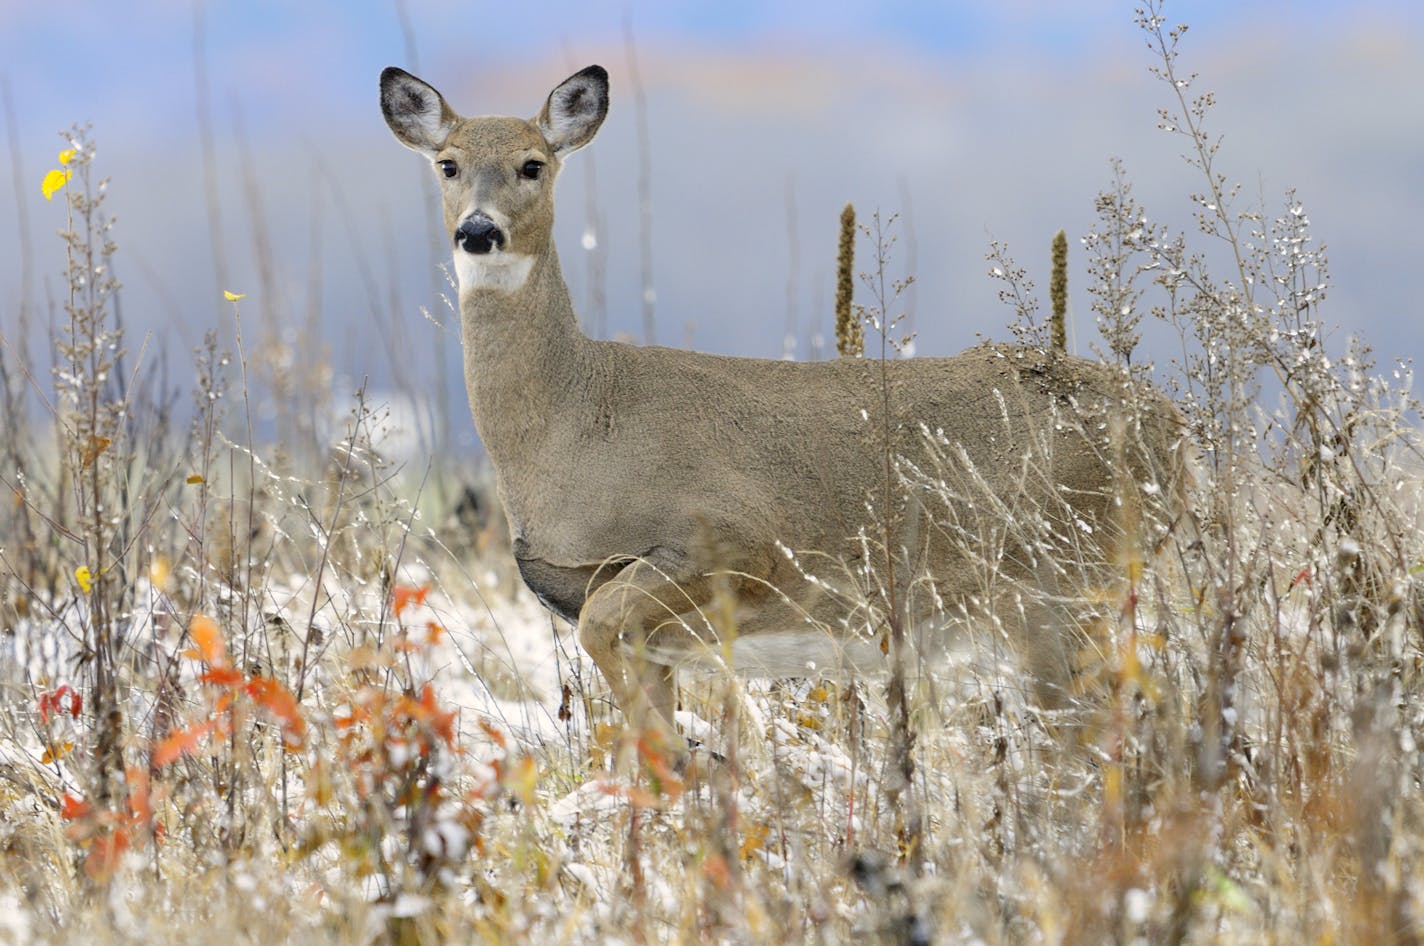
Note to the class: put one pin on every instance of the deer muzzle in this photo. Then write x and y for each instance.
(478, 234)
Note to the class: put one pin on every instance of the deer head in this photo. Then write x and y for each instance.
(496, 174)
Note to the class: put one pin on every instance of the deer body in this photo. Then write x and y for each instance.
(633, 477)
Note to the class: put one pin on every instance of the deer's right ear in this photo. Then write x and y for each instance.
(416, 113)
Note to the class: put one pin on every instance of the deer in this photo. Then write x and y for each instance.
(642, 482)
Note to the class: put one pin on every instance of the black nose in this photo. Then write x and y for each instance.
(478, 234)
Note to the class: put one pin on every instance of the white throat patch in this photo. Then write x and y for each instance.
(497, 270)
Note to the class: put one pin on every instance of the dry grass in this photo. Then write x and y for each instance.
(251, 695)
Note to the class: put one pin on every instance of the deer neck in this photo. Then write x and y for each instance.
(521, 352)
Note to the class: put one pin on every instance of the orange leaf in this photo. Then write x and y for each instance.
(443, 723)
(71, 808)
(207, 638)
(632, 794)
(359, 714)
(279, 701)
(105, 853)
(223, 677)
(96, 446)
(140, 806)
(641, 797)
(715, 869)
(652, 750)
(182, 742)
(404, 595)
(494, 734)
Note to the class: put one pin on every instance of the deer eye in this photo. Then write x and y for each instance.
(448, 168)
(530, 170)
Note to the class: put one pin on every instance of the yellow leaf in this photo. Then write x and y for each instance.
(233, 296)
(96, 446)
(159, 572)
(55, 752)
(318, 782)
(754, 841)
(66, 156)
(194, 478)
(85, 577)
(807, 721)
(52, 182)
(521, 778)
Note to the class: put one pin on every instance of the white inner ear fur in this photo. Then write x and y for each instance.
(428, 129)
(560, 123)
(424, 127)
(570, 108)
(498, 270)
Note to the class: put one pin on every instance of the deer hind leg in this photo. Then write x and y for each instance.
(1065, 641)
(1044, 645)
(616, 626)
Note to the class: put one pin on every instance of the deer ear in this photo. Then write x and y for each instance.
(416, 113)
(575, 110)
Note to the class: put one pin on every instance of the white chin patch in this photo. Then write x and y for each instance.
(497, 270)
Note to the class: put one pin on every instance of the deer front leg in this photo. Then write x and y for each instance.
(619, 622)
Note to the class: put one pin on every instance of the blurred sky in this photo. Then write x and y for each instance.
(974, 121)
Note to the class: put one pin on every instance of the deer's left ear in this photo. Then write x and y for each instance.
(575, 110)
(415, 112)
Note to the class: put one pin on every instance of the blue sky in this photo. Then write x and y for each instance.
(976, 121)
(88, 60)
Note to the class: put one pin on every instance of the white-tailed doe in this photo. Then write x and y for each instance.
(642, 483)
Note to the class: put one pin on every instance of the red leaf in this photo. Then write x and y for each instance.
(52, 703)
